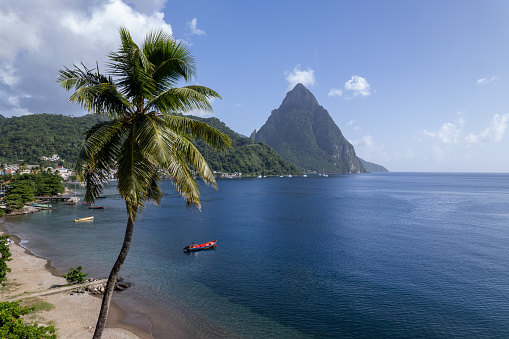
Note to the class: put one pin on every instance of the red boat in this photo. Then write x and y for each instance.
(96, 207)
(197, 247)
(85, 203)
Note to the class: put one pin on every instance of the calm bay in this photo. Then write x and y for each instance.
(373, 255)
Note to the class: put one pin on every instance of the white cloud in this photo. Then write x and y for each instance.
(148, 6)
(307, 77)
(366, 140)
(192, 26)
(369, 150)
(492, 134)
(335, 92)
(351, 123)
(36, 40)
(449, 133)
(7, 74)
(484, 81)
(452, 133)
(358, 85)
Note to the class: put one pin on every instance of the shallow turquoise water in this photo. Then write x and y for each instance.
(375, 255)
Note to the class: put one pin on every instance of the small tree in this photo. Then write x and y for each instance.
(75, 276)
(5, 255)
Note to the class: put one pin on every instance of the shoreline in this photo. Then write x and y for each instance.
(73, 316)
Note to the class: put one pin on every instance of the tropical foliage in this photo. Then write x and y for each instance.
(75, 276)
(245, 156)
(5, 256)
(28, 138)
(13, 326)
(23, 188)
(143, 135)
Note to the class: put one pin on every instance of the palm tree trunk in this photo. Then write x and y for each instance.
(105, 307)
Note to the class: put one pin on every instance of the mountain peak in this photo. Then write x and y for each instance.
(304, 133)
(300, 96)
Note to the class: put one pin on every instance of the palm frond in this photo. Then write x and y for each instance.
(98, 155)
(198, 130)
(133, 68)
(172, 60)
(135, 173)
(182, 100)
(159, 144)
(94, 92)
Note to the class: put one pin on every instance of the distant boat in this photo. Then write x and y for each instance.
(72, 201)
(85, 203)
(101, 197)
(198, 247)
(96, 207)
(259, 176)
(43, 206)
(305, 175)
(84, 219)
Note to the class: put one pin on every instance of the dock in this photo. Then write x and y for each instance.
(61, 198)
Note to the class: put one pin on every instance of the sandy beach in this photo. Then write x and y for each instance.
(72, 315)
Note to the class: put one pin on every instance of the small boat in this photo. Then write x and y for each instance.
(72, 201)
(96, 207)
(84, 219)
(197, 247)
(43, 206)
(101, 197)
(85, 203)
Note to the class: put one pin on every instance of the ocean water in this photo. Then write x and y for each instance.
(392, 255)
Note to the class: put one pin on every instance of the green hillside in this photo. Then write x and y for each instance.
(30, 137)
(245, 156)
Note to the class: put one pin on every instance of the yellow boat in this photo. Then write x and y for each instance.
(84, 219)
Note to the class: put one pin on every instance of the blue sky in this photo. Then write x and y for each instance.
(413, 85)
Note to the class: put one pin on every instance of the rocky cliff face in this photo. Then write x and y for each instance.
(304, 133)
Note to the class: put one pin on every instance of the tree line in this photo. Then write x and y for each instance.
(23, 188)
(26, 139)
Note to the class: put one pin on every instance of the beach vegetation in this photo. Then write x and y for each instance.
(75, 276)
(5, 256)
(23, 188)
(145, 132)
(13, 205)
(2, 212)
(12, 324)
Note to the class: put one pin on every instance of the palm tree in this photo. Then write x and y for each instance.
(145, 133)
(23, 166)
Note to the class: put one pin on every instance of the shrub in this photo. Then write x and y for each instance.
(75, 276)
(12, 324)
(14, 205)
(5, 255)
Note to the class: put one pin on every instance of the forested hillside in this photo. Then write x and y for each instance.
(245, 156)
(29, 137)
